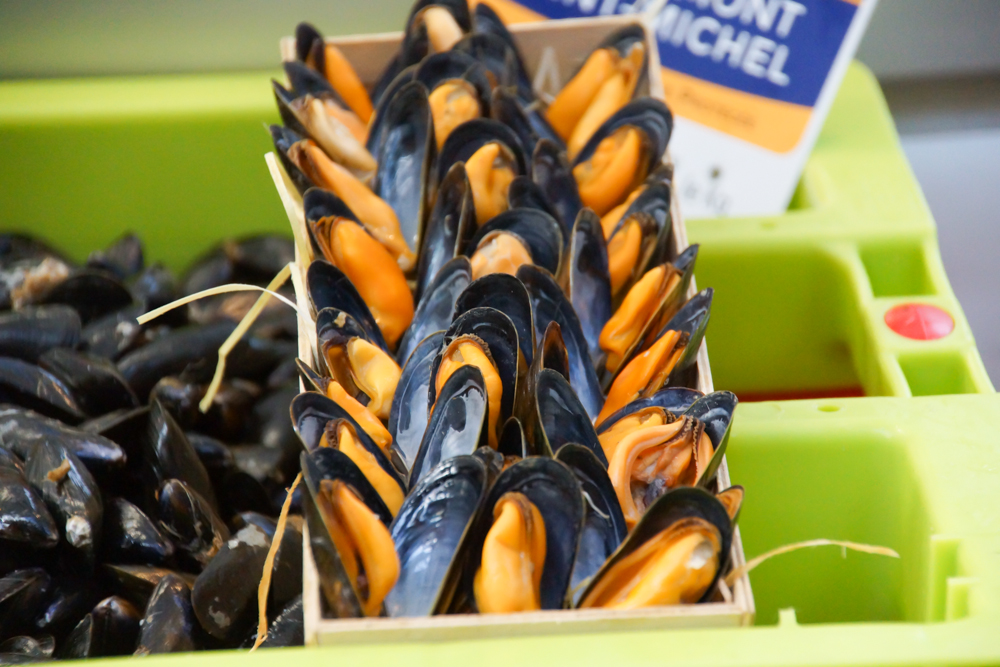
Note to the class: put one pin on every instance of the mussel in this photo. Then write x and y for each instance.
(675, 555)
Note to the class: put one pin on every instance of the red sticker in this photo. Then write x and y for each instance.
(919, 321)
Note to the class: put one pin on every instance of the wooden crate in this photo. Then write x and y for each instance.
(552, 51)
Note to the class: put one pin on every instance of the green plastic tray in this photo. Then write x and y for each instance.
(800, 301)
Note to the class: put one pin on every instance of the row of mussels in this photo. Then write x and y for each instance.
(499, 412)
(130, 521)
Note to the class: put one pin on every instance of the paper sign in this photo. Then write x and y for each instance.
(749, 83)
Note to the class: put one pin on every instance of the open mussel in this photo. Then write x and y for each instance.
(365, 262)
(621, 153)
(613, 73)
(670, 354)
(674, 555)
(648, 305)
(650, 460)
(309, 115)
(647, 204)
(514, 238)
(347, 404)
(715, 411)
(340, 434)
(487, 339)
(349, 535)
(687, 447)
(321, 423)
(529, 524)
(493, 157)
(364, 370)
(458, 88)
(312, 49)
(329, 287)
(672, 400)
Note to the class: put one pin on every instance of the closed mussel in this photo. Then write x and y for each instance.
(29, 332)
(428, 532)
(459, 422)
(71, 494)
(507, 294)
(191, 523)
(549, 304)
(613, 73)
(410, 410)
(604, 527)
(437, 306)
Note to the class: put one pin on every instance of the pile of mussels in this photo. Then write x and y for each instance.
(499, 415)
(130, 522)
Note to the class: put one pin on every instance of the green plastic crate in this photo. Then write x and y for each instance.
(801, 297)
(800, 301)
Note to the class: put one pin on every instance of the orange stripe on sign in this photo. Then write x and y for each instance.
(770, 124)
(509, 11)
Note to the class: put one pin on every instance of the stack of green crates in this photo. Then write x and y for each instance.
(799, 312)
